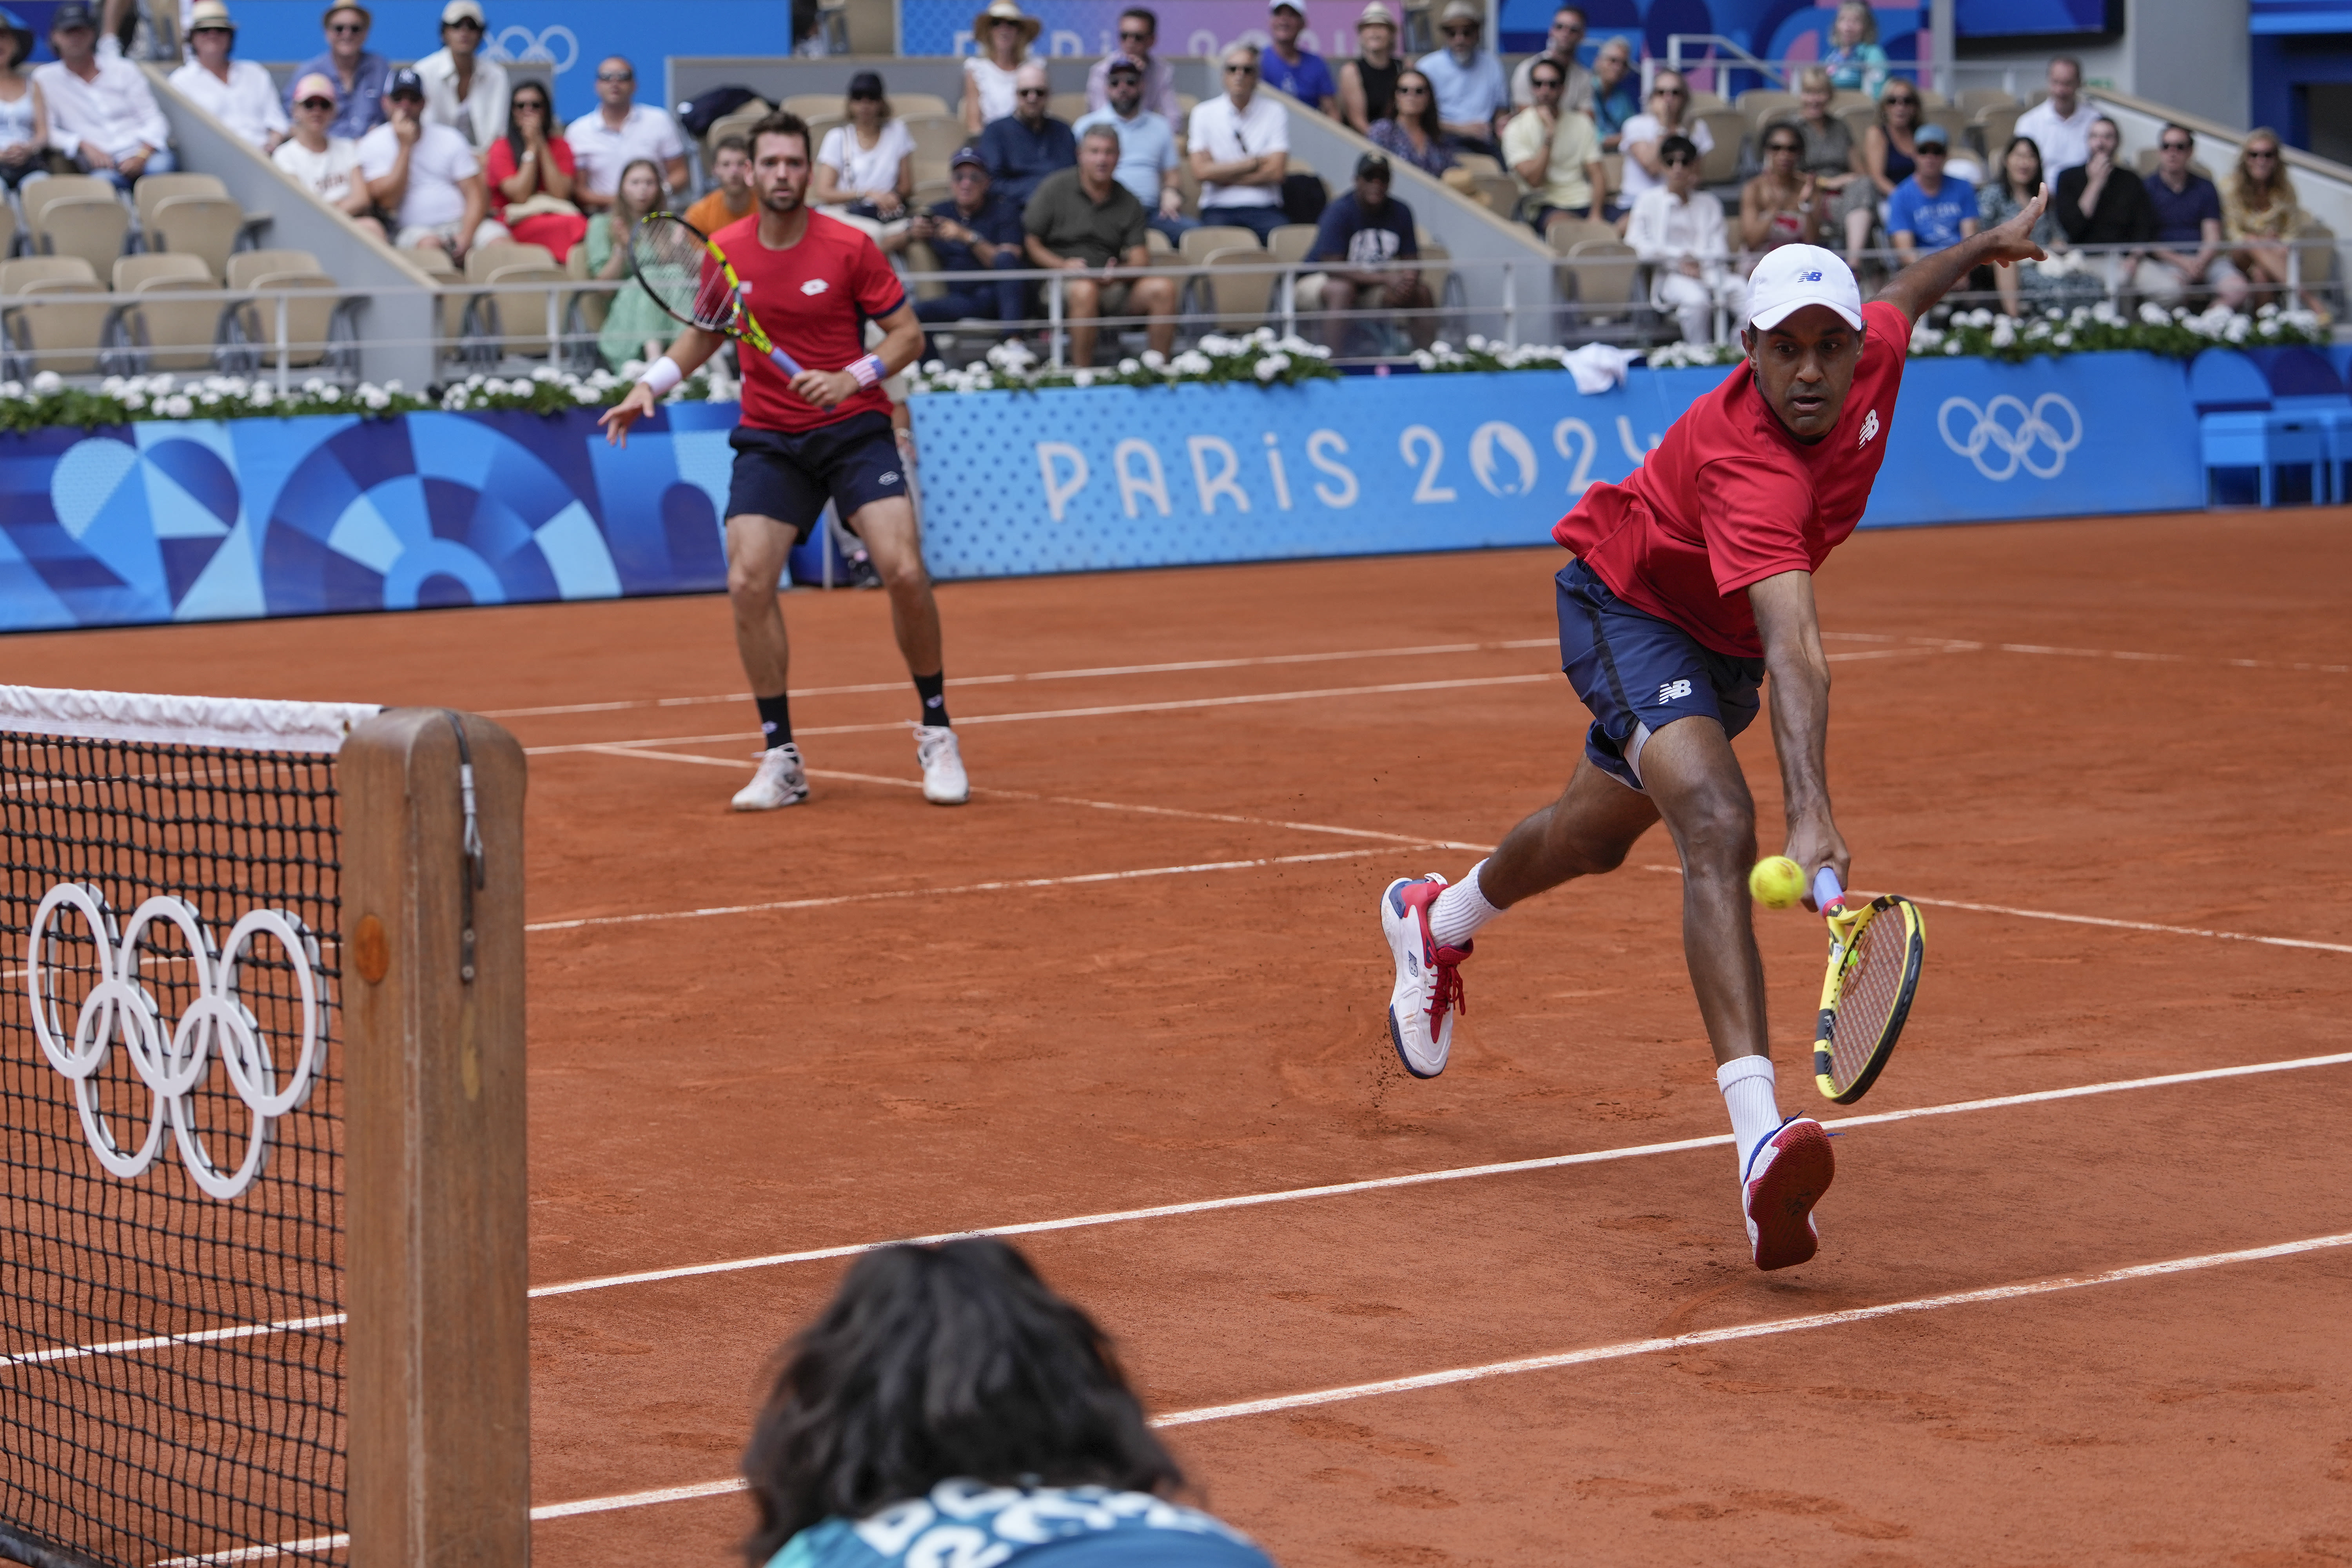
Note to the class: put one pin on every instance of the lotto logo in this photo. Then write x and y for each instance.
(1812, 278)
(1674, 690)
(813, 286)
(889, 479)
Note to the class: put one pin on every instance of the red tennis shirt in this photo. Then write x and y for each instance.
(812, 300)
(1731, 497)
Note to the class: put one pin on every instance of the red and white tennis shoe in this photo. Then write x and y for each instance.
(1787, 1172)
(1428, 991)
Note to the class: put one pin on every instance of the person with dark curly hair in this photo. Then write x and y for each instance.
(949, 1407)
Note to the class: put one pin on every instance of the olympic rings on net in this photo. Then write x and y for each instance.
(2034, 429)
(171, 1064)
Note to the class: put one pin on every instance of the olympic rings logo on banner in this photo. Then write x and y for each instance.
(2018, 446)
(519, 43)
(172, 1063)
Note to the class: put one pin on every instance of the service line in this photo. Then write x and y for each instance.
(1623, 1350)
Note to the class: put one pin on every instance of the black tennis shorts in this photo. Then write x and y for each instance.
(789, 475)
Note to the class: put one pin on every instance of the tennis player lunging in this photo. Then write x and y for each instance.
(811, 283)
(1692, 581)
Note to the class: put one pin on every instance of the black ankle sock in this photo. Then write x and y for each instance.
(933, 690)
(775, 720)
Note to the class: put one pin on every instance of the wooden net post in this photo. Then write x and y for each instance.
(438, 1347)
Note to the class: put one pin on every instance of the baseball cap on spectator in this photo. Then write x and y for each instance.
(1931, 134)
(1274, 5)
(967, 154)
(1371, 166)
(1791, 277)
(403, 83)
(1126, 63)
(317, 84)
(71, 15)
(13, 25)
(463, 11)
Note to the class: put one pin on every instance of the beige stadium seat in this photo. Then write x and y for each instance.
(1240, 298)
(1721, 162)
(935, 137)
(1998, 126)
(7, 230)
(37, 195)
(1158, 244)
(92, 227)
(132, 273)
(930, 193)
(1977, 100)
(155, 188)
(308, 317)
(485, 259)
(1477, 164)
(1859, 118)
(454, 296)
(588, 303)
(168, 333)
(1498, 194)
(1706, 102)
(909, 105)
(1955, 124)
(1198, 243)
(1567, 233)
(1604, 272)
(734, 122)
(1069, 108)
(1292, 241)
(921, 257)
(522, 318)
(1847, 98)
(811, 105)
(1759, 103)
(60, 323)
(204, 226)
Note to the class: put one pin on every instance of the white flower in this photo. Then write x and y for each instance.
(1153, 359)
(2266, 312)
(1952, 347)
(393, 386)
(1441, 349)
(2154, 314)
(1265, 369)
(547, 373)
(2064, 339)
(1425, 359)
(1129, 366)
(1083, 376)
(176, 406)
(130, 399)
(584, 394)
(2238, 328)
(47, 381)
(1475, 342)
(262, 395)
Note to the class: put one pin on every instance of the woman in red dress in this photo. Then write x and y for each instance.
(530, 172)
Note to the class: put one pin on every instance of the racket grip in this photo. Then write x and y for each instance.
(1828, 896)
(784, 362)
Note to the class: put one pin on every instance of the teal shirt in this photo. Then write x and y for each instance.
(970, 1523)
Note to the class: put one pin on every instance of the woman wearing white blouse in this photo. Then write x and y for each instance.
(1003, 35)
(868, 164)
(24, 121)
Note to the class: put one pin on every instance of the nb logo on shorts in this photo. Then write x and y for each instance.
(1869, 428)
(888, 478)
(1674, 690)
(813, 286)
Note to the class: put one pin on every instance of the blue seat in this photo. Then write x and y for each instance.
(2270, 443)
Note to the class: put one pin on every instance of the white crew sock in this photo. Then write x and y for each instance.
(1747, 1086)
(1460, 910)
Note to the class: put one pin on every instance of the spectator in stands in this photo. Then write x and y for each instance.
(1147, 148)
(635, 328)
(1361, 234)
(618, 132)
(1560, 46)
(1616, 91)
(1003, 35)
(1829, 156)
(102, 114)
(1679, 229)
(1472, 99)
(1240, 146)
(1138, 30)
(530, 171)
(237, 93)
(2260, 213)
(1931, 210)
(1288, 69)
(953, 1372)
(1027, 144)
(1554, 153)
(730, 197)
(359, 74)
(1414, 134)
(1083, 220)
(867, 164)
(2187, 228)
(463, 90)
(325, 163)
(975, 231)
(1889, 155)
(1782, 206)
(1368, 82)
(1643, 138)
(425, 176)
(2060, 123)
(2100, 203)
(1854, 61)
(24, 120)
(2027, 285)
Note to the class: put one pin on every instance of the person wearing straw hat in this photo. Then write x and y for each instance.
(357, 71)
(24, 120)
(1472, 98)
(1002, 36)
(1368, 82)
(237, 93)
(463, 90)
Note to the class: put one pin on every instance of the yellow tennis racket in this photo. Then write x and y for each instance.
(690, 278)
(1875, 954)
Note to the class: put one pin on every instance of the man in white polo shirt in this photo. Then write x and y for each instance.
(426, 175)
(1241, 148)
(2060, 125)
(619, 131)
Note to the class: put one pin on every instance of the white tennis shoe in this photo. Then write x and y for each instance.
(1787, 1172)
(1428, 991)
(944, 783)
(780, 780)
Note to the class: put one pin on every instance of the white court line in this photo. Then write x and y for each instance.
(1620, 1351)
(1431, 651)
(1422, 1178)
(164, 1342)
(1965, 645)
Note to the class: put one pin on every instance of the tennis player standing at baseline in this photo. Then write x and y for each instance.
(1691, 581)
(811, 283)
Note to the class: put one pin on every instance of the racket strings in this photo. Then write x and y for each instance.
(1872, 990)
(669, 260)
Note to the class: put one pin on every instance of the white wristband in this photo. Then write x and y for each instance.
(867, 370)
(662, 376)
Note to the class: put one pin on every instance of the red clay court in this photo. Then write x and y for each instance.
(1143, 969)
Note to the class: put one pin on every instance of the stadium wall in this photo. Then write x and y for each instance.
(195, 519)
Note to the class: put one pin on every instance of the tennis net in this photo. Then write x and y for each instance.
(171, 1232)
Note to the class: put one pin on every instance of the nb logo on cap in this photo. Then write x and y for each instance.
(1810, 277)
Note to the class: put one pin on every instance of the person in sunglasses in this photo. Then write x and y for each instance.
(1677, 228)
(1138, 31)
(618, 132)
(465, 89)
(357, 71)
(1240, 147)
(1027, 144)
(1472, 99)
(237, 93)
(1643, 137)
(2187, 253)
(322, 163)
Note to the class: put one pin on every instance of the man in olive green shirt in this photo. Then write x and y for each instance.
(1554, 153)
(1083, 222)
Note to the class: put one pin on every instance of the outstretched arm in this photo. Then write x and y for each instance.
(1800, 694)
(1915, 289)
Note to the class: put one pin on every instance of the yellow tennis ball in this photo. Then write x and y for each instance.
(1777, 882)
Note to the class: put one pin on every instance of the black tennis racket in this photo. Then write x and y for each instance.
(1875, 954)
(690, 278)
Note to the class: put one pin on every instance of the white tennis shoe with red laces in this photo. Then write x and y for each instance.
(1428, 991)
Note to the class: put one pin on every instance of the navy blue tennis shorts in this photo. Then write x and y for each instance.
(788, 475)
(1638, 674)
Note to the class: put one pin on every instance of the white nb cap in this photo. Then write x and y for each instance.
(1791, 277)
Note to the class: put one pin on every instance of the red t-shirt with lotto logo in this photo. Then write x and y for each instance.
(812, 300)
(1731, 497)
